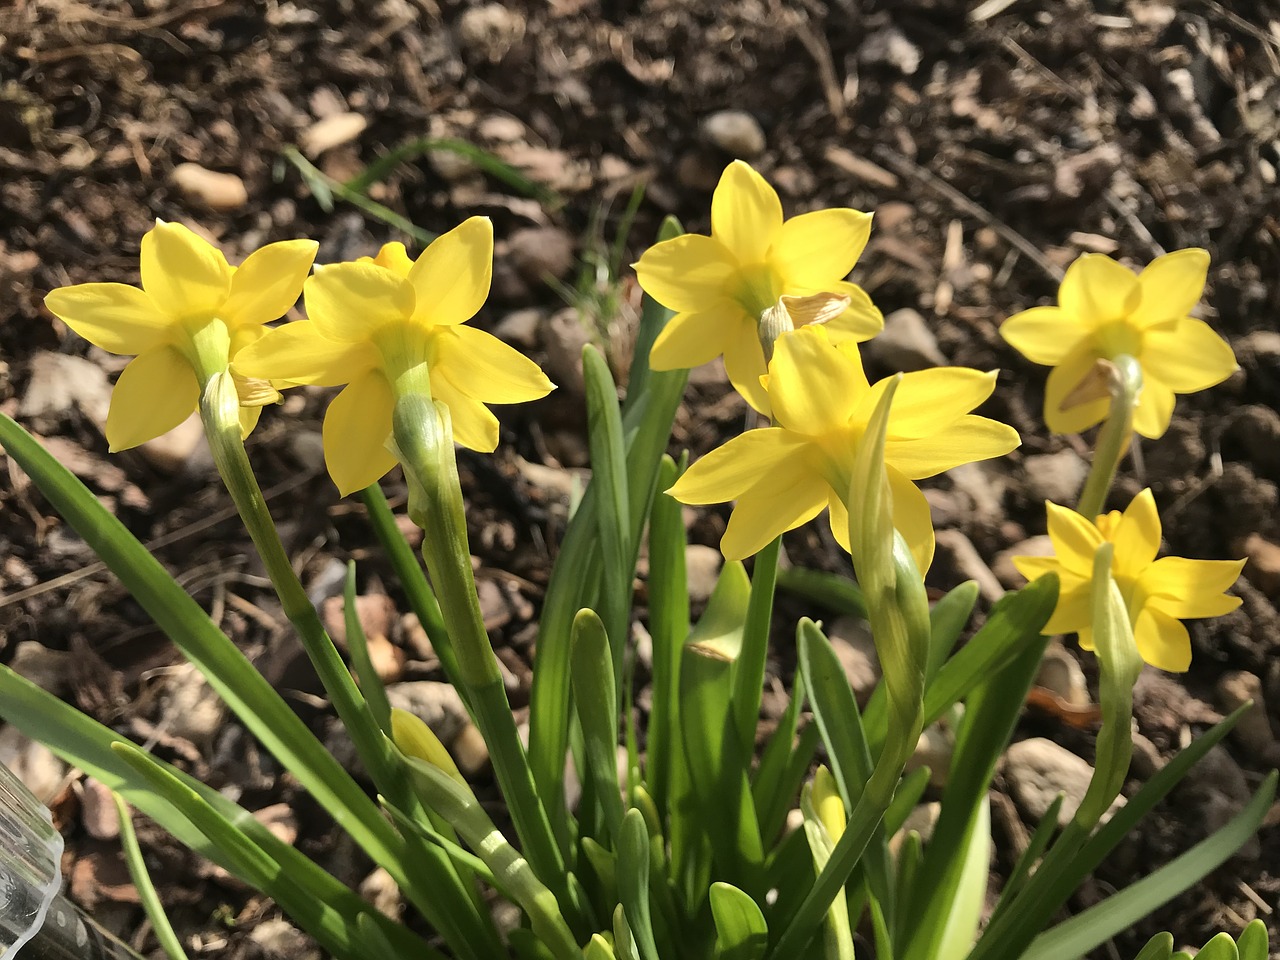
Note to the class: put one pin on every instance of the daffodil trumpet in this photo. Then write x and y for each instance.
(1123, 377)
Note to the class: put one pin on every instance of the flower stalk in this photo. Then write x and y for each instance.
(1125, 388)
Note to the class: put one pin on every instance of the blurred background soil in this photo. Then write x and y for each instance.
(995, 141)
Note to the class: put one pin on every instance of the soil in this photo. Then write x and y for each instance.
(994, 141)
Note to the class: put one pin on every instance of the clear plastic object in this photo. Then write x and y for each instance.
(36, 921)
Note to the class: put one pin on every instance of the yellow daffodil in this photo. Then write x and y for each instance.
(193, 313)
(726, 287)
(389, 325)
(782, 476)
(1159, 594)
(1104, 311)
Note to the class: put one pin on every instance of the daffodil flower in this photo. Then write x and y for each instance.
(1105, 311)
(783, 475)
(192, 315)
(1158, 594)
(387, 326)
(726, 287)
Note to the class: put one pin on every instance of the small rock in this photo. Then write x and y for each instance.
(736, 132)
(437, 704)
(1003, 567)
(890, 46)
(280, 820)
(180, 449)
(1056, 477)
(922, 819)
(279, 940)
(520, 328)
(376, 612)
(541, 252)
(906, 344)
(1263, 568)
(854, 645)
(191, 708)
(452, 166)
(1257, 429)
(60, 381)
(1216, 790)
(985, 485)
(564, 336)
(1087, 174)
(1038, 770)
(330, 581)
(33, 763)
(382, 891)
(469, 750)
(1061, 675)
(98, 810)
(331, 132)
(702, 564)
(415, 637)
(1234, 690)
(934, 750)
(217, 191)
(47, 669)
(490, 30)
(501, 128)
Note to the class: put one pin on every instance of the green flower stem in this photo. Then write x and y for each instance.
(1114, 437)
(748, 676)
(219, 410)
(424, 438)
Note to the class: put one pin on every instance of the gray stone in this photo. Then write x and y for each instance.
(736, 132)
(1056, 477)
(1038, 770)
(906, 343)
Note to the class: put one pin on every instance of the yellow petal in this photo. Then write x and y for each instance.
(860, 321)
(1162, 640)
(816, 250)
(185, 275)
(927, 400)
(728, 471)
(1186, 356)
(744, 363)
(745, 213)
(1137, 536)
(1075, 540)
(1097, 290)
(964, 441)
(688, 273)
(1063, 379)
(813, 388)
(487, 368)
(779, 501)
(692, 339)
(114, 316)
(474, 425)
(248, 420)
(1171, 287)
(297, 352)
(1154, 410)
(155, 393)
(1074, 612)
(1042, 334)
(451, 277)
(839, 519)
(356, 427)
(1191, 589)
(911, 518)
(394, 257)
(269, 282)
(348, 301)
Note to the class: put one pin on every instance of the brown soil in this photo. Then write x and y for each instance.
(995, 142)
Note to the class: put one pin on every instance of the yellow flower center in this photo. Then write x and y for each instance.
(406, 349)
(758, 288)
(1118, 338)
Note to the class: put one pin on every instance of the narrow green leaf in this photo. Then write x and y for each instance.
(960, 921)
(910, 790)
(370, 683)
(835, 592)
(947, 621)
(1221, 947)
(773, 792)
(598, 949)
(741, 933)
(624, 945)
(1159, 947)
(748, 674)
(1099, 923)
(1045, 830)
(488, 162)
(325, 188)
(633, 881)
(147, 894)
(595, 698)
(1252, 944)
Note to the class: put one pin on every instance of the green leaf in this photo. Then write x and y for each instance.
(1045, 830)
(1252, 944)
(594, 694)
(1221, 947)
(370, 683)
(1159, 947)
(771, 789)
(325, 188)
(741, 933)
(960, 921)
(748, 674)
(633, 881)
(488, 162)
(147, 894)
(598, 949)
(624, 945)
(947, 620)
(835, 592)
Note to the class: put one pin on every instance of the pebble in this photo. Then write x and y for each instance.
(851, 638)
(279, 938)
(736, 132)
(98, 810)
(183, 449)
(922, 819)
(437, 704)
(376, 612)
(1263, 568)
(491, 30)
(1257, 429)
(890, 46)
(934, 750)
(382, 891)
(217, 191)
(985, 485)
(191, 709)
(1003, 567)
(33, 763)
(47, 669)
(1061, 675)
(1216, 790)
(1233, 690)
(702, 565)
(906, 344)
(60, 381)
(331, 132)
(469, 751)
(1038, 770)
(520, 328)
(541, 252)
(280, 821)
(564, 336)
(1056, 477)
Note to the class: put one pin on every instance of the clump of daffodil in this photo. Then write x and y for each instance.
(389, 326)
(1104, 312)
(1159, 594)
(193, 314)
(783, 475)
(754, 278)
